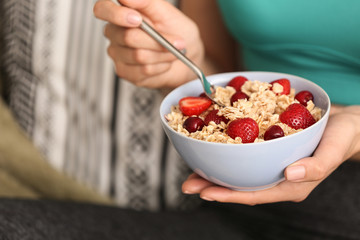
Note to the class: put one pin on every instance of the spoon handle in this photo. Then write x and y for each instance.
(160, 39)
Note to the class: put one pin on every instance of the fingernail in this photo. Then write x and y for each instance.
(207, 198)
(134, 18)
(179, 44)
(187, 192)
(295, 173)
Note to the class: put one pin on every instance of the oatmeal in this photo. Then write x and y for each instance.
(263, 106)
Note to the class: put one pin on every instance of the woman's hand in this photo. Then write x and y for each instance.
(341, 141)
(137, 57)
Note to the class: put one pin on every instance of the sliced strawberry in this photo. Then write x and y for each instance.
(237, 82)
(190, 106)
(245, 128)
(297, 116)
(303, 97)
(285, 83)
(212, 116)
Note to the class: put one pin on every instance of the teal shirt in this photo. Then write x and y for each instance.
(316, 39)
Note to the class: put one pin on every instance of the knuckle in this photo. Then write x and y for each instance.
(252, 200)
(301, 198)
(111, 52)
(140, 56)
(147, 70)
(252, 203)
(119, 70)
(106, 30)
(129, 37)
(140, 84)
(319, 172)
(96, 8)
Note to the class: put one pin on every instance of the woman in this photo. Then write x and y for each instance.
(299, 38)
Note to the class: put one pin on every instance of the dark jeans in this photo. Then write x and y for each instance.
(332, 211)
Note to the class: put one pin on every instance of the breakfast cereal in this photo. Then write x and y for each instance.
(264, 104)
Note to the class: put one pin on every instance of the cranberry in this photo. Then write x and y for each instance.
(193, 124)
(238, 95)
(212, 116)
(303, 97)
(273, 132)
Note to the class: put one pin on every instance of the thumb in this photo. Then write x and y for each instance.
(316, 168)
(155, 10)
(306, 170)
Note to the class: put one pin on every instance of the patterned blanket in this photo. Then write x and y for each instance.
(60, 85)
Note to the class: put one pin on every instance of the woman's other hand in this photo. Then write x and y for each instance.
(341, 141)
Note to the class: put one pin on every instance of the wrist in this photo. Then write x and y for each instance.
(353, 114)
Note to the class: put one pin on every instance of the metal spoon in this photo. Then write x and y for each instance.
(209, 89)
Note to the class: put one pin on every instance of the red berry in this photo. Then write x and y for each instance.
(303, 97)
(245, 128)
(285, 83)
(212, 116)
(203, 95)
(193, 124)
(273, 132)
(194, 105)
(238, 95)
(297, 116)
(237, 82)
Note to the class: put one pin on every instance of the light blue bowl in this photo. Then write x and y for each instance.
(252, 166)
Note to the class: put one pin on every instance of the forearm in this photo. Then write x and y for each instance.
(354, 113)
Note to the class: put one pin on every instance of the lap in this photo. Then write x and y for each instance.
(332, 211)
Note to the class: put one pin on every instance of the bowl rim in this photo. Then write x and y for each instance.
(323, 118)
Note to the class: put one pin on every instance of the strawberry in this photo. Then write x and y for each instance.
(190, 106)
(237, 82)
(297, 116)
(245, 128)
(238, 95)
(303, 97)
(285, 83)
(212, 116)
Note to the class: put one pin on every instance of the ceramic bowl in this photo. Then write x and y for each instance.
(251, 166)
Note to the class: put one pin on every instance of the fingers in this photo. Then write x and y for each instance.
(139, 56)
(327, 157)
(195, 184)
(138, 74)
(285, 191)
(301, 177)
(111, 12)
(137, 38)
(130, 13)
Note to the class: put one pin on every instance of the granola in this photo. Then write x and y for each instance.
(264, 104)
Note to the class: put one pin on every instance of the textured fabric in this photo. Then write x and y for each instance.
(324, 215)
(318, 40)
(43, 220)
(61, 87)
(16, 24)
